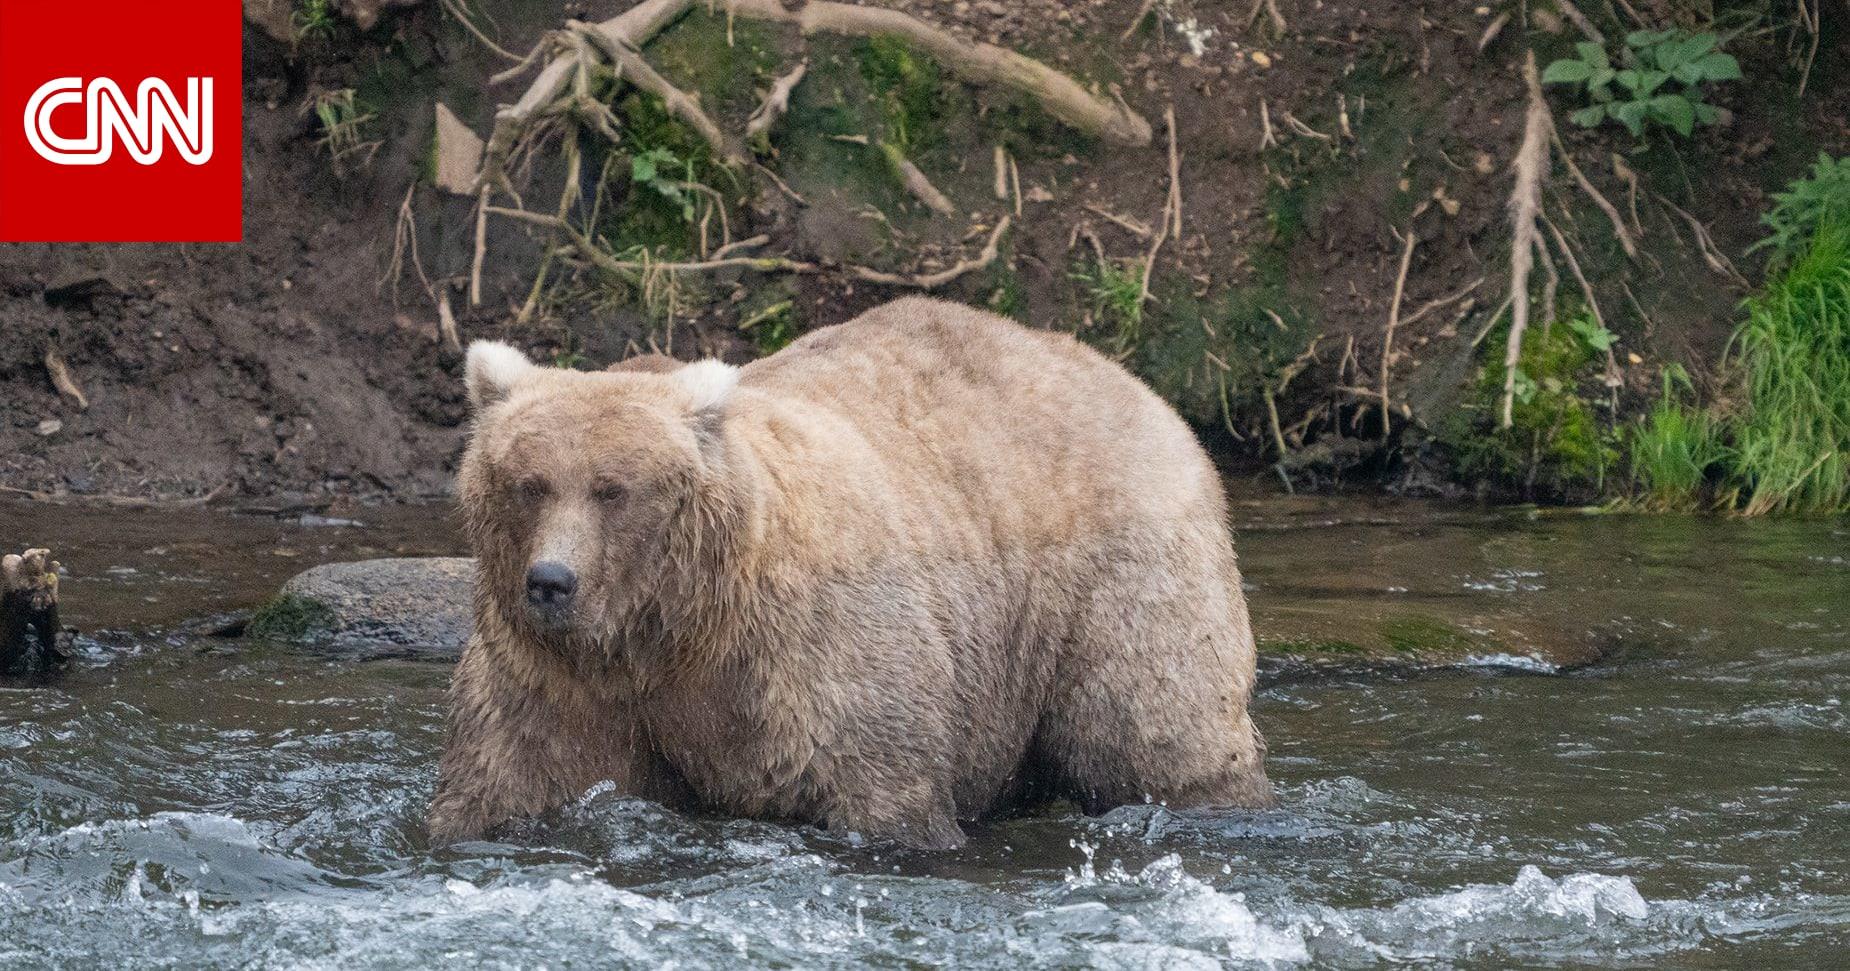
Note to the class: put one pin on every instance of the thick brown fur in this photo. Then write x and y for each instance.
(912, 569)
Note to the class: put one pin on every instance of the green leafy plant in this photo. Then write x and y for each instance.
(313, 20)
(653, 168)
(1807, 204)
(1660, 79)
(1593, 334)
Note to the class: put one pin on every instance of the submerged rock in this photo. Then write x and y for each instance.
(391, 606)
(1295, 645)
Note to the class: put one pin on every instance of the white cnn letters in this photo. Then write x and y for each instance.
(145, 126)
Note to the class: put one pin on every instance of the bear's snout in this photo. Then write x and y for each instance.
(550, 586)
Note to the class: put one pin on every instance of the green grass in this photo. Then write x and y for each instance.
(1792, 441)
(1674, 449)
(1115, 291)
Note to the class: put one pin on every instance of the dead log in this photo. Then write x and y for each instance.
(29, 613)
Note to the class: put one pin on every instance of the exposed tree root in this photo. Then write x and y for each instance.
(563, 89)
(976, 63)
(1387, 341)
(1619, 228)
(637, 71)
(775, 105)
(1612, 378)
(1705, 245)
(1143, 10)
(932, 281)
(915, 180)
(601, 258)
(1270, 7)
(1171, 218)
(1580, 21)
(1525, 207)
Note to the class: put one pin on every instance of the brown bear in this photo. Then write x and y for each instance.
(917, 568)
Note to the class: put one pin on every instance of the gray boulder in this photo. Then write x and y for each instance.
(395, 606)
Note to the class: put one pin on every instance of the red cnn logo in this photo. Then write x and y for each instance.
(120, 121)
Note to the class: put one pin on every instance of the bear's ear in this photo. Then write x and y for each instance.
(492, 370)
(709, 385)
(709, 382)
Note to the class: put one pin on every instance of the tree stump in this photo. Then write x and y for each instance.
(29, 613)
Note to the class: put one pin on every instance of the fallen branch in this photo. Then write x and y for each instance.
(29, 611)
(775, 105)
(1525, 206)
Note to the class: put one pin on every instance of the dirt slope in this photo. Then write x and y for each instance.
(293, 366)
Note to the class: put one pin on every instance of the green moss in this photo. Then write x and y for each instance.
(1312, 648)
(1556, 440)
(1419, 634)
(290, 618)
(834, 100)
(910, 91)
(1212, 356)
(695, 55)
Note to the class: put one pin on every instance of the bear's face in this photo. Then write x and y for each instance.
(572, 482)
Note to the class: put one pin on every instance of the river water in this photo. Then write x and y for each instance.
(179, 799)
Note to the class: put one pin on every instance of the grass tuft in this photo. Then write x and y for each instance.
(1674, 449)
(1792, 442)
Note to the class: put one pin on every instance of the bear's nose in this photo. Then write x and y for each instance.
(550, 584)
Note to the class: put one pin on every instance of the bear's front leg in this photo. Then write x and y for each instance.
(916, 816)
(522, 742)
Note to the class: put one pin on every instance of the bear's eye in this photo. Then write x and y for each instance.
(532, 488)
(610, 493)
